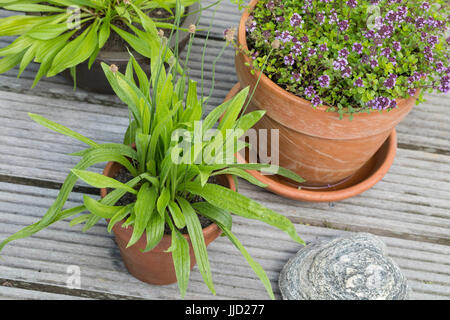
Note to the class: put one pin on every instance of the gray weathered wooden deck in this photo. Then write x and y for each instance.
(409, 209)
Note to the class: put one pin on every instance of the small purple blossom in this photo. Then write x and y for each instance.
(396, 46)
(270, 5)
(324, 81)
(390, 81)
(386, 52)
(323, 47)
(340, 64)
(316, 101)
(343, 53)
(411, 91)
(439, 67)
(357, 47)
(381, 103)
(374, 63)
(358, 83)
(289, 60)
(297, 48)
(320, 16)
(352, 3)
(347, 72)
(343, 25)
(433, 40)
(309, 92)
(296, 20)
(284, 37)
(311, 52)
(304, 39)
(296, 76)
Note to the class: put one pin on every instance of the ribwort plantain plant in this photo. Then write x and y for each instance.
(61, 34)
(172, 154)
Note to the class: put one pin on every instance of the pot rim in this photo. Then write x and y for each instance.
(242, 42)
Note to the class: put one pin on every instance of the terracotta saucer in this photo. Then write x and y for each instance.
(365, 178)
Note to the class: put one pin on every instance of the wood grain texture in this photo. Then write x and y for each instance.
(409, 209)
(44, 258)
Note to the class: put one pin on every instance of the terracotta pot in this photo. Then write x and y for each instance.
(155, 266)
(314, 143)
(364, 179)
(95, 80)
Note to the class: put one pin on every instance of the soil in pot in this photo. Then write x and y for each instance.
(155, 266)
(124, 176)
(115, 52)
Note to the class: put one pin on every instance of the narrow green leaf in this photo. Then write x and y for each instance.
(76, 51)
(177, 215)
(137, 44)
(181, 258)
(120, 215)
(36, 227)
(163, 201)
(198, 241)
(242, 174)
(30, 7)
(9, 62)
(100, 181)
(100, 209)
(212, 118)
(105, 31)
(283, 172)
(27, 58)
(21, 24)
(47, 31)
(122, 149)
(236, 104)
(154, 231)
(80, 219)
(61, 129)
(214, 213)
(18, 46)
(243, 206)
(143, 209)
(92, 221)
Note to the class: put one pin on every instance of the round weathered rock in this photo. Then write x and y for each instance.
(353, 267)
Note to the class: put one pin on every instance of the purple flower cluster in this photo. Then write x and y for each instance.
(382, 103)
(390, 81)
(329, 54)
(324, 81)
(358, 83)
(296, 20)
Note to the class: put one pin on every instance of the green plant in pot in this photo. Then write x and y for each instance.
(73, 37)
(341, 74)
(169, 188)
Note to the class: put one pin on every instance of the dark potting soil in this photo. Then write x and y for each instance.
(115, 43)
(124, 176)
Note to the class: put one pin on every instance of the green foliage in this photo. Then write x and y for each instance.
(172, 172)
(352, 56)
(66, 33)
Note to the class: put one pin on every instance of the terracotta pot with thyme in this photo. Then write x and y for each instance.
(339, 75)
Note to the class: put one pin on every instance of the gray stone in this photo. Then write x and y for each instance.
(353, 267)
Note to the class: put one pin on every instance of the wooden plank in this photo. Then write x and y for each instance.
(44, 258)
(10, 293)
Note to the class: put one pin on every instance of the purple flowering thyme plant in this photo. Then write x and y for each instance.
(353, 55)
